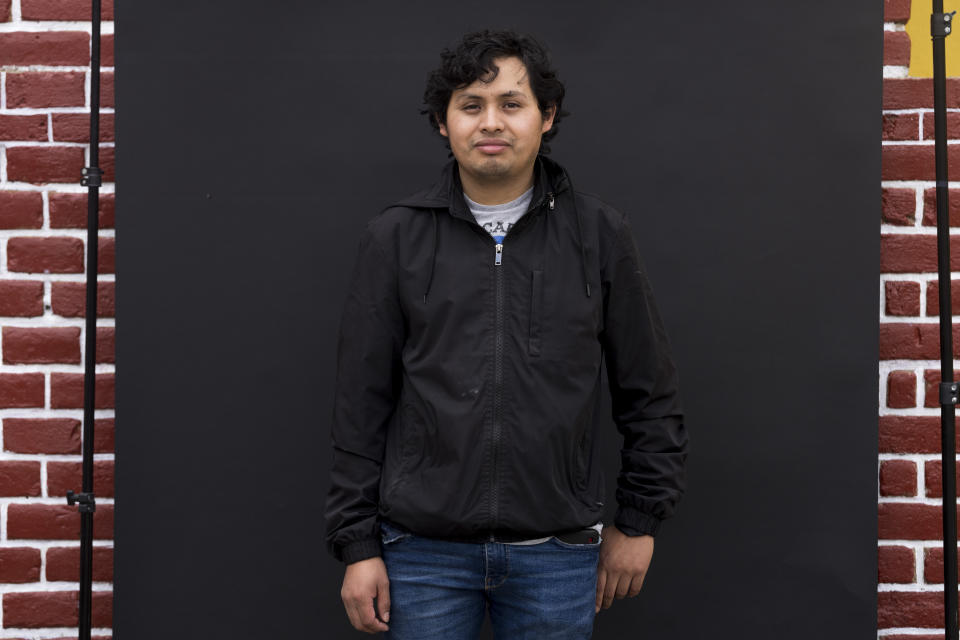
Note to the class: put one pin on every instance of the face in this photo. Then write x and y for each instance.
(494, 128)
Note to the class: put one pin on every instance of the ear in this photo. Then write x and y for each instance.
(548, 119)
(442, 126)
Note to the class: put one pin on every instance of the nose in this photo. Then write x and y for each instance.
(491, 120)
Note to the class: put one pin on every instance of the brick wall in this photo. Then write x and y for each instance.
(910, 550)
(44, 136)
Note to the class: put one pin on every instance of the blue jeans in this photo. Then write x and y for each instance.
(441, 589)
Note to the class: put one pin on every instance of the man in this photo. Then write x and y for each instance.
(480, 310)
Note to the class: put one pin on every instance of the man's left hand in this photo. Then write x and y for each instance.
(623, 564)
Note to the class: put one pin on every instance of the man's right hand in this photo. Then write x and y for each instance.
(362, 581)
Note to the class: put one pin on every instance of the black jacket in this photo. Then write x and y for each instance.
(468, 384)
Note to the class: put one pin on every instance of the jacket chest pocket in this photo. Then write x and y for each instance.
(536, 312)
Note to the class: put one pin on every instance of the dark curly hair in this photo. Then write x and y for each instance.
(472, 59)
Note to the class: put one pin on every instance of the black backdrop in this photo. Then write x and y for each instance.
(254, 141)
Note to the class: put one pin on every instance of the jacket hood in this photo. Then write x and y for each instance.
(550, 181)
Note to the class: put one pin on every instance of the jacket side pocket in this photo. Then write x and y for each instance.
(536, 311)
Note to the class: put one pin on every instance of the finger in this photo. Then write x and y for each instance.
(383, 600)
(601, 583)
(609, 591)
(623, 587)
(636, 584)
(352, 614)
(368, 618)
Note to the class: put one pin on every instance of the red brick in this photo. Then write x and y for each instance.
(901, 126)
(5, 10)
(899, 206)
(917, 93)
(55, 522)
(933, 297)
(21, 210)
(63, 10)
(45, 255)
(106, 254)
(906, 609)
(933, 566)
(913, 161)
(19, 478)
(62, 476)
(41, 345)
(903, 298)
(930, 207)
(103, 435)
(75, 127)
(904, 521)
(69, 299)
(29, 127)
(70, 48)
(66, 390)
(914, 253)
(42, 89)
(34, 610)
(910, 434)
(106, 50)
(42, 165)
(931, 388)
(63, 564)
(42, 435)
(901, 389)
(106, 89)
(896, 10)
(895, 564)
(69, 210)
(907, 341)
(896, 48)
(106, 345)
(21, 298)
(933, 478)
(22, 564)
(898, 478)
(953, 126)
(21, 390)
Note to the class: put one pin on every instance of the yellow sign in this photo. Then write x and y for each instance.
(921, 48)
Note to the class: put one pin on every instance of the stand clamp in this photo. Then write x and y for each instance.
(92, 175)
(949, 392)
(86, 500)
(940, 24)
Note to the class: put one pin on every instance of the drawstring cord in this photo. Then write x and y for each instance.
(583, 250)
(433, 261)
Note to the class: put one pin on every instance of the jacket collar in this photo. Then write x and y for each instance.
(447, 193)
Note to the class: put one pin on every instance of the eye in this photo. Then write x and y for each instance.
(512, 105)
(470, 107)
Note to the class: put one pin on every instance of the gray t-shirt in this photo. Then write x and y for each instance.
(497, 219)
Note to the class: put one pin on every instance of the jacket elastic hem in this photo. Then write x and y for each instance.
(360, 550)
(636, 523)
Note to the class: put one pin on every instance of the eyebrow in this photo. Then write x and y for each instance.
(507, 94)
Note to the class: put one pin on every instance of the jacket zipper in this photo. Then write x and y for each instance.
(494, 495)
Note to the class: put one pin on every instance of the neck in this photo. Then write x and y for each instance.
(495, 190)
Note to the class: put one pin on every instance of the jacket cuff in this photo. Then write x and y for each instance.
(360, 550)
(636, 523)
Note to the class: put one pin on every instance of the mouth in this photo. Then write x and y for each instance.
(491, 146)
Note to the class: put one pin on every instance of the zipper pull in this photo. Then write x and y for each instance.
(499, 255)
(550, 195)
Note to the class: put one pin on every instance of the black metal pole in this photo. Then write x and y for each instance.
(92, 180)
(940, 27)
